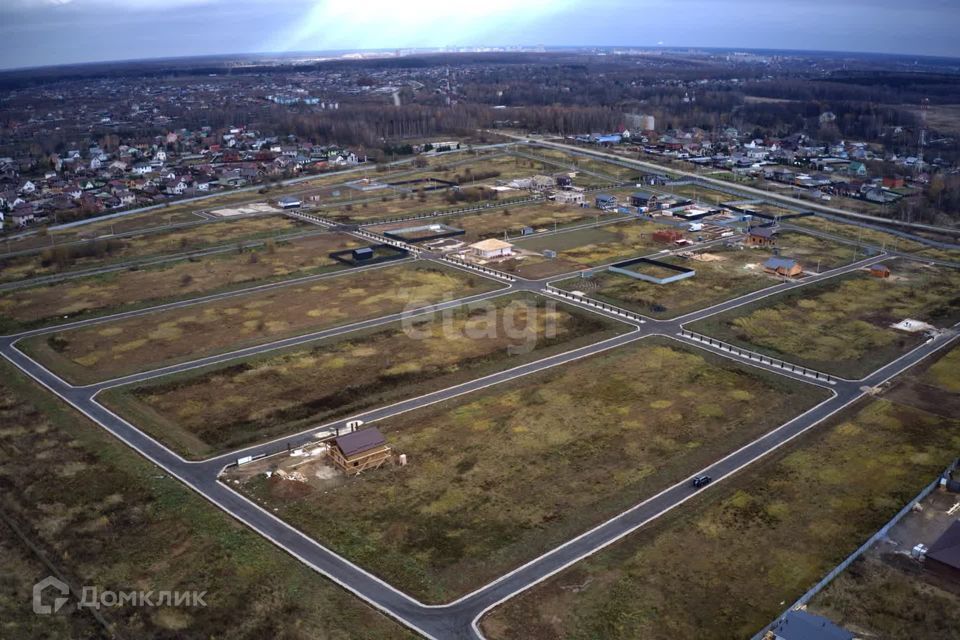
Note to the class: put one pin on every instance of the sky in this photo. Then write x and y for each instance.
(46, 32)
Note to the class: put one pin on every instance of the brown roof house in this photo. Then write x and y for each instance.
(359, 451)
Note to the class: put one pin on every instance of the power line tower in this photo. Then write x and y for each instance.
(924, 107)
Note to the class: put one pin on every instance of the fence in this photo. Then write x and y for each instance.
(758, 357)
(413, 250)
(458, 211)
(880, 534)
(487, 271)
(596, 304)
(309, 217)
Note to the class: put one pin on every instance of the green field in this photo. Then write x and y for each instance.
(501, 475)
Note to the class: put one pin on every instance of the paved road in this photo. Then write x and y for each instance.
(458, 619)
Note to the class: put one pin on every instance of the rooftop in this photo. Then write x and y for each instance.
(361, 441)
(946, 549)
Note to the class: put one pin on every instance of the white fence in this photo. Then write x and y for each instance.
(759, 357)
(487, 271)
(596, 304)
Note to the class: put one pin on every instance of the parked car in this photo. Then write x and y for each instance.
(701, 481)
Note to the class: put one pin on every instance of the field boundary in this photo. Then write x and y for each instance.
(762, 359)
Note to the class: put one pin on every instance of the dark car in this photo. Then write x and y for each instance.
(701, 481)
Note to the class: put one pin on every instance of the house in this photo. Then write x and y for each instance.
(893, 182)
(943, 556)
(571, 196)
(289, 202)
(21, 215)
(667, 236)
(762, 236)
(606, 202)
(880, 271)
(541, 183)
(491, 248)
(643, 199)
(359, 451)
(800, 625)
(857, 169)
(784, 267)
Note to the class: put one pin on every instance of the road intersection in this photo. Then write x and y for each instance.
(459, 619)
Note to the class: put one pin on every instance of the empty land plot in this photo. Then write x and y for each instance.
(116, 348)
(861, 234)
(104, 516)
(101, 251)
(584, 248)
(699, 193)
(485, 169)
(502, 475)
(543, 216)
(726, 563)
(119, 290)
(394, 205)
(730, 274)
(890, 596)
(842, 325)
(282, 393)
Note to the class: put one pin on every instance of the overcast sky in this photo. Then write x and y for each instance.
(43, 32)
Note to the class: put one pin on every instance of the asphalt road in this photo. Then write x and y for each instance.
(456, 620)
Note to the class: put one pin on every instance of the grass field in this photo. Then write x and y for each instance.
(119, 347)
(860, 234)
(700, 193)
(842, 326)
(499, 476)
(726, 563)
(511, 220)
(97, 252)
(731, 272)
(106, 517)
(281, 393)
(584, 248)
(120, 290)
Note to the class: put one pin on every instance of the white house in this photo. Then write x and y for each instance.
(491, 248)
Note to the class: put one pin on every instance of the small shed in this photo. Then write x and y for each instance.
(363, 253)
(359, 451)
(785, 267)
(880, 271)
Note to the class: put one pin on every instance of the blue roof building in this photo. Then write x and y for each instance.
(800, 625)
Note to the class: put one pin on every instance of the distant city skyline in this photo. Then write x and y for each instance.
(50, 32)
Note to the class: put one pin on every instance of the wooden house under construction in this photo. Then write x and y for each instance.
(360, 451)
